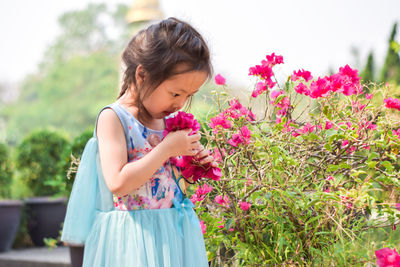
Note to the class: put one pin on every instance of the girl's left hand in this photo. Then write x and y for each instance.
(204, 157)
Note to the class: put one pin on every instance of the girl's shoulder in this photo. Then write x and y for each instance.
(111, 117)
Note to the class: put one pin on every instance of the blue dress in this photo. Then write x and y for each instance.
(153, 226)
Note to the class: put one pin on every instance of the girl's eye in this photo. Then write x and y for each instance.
(175, 95)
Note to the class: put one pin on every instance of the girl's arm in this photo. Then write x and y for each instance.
(122, 177)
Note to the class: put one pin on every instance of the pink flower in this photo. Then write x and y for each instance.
(219, 79)
(328, 125)
(217, 155)
(398, 206)
(220, 120)
(394, 132)
(231, 230)
(273, 59)
(386, 257)
(263, 71)
(306, 75)
(302, 89)
(203, 227)
(223, 201)
(296, 133)
(236, 110)
(181, 121)
(242, 137)
(200, 193)
(345, 143)
(191, 169)
(369, 96)
(392, 103)
(308, 128)
(261, 87)
(221, 224)
(244, 205)
(329, 178)
(328, 190)
(275, 94)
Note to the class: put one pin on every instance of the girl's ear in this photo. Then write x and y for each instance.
(140, 75)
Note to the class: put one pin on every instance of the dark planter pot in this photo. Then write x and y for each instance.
(10, 215)
(45, 216)
(76, 255)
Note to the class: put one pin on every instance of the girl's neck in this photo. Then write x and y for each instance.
(127, 101)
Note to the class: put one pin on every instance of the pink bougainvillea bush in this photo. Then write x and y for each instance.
(310, 165)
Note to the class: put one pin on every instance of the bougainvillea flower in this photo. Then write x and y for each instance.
(242, 137)
(306, 75)
(222, 200)
(264, 72)
(308, 128)
(192, 170)
(244, 205)
(190, 167)
(329, 178)
(261, 87)
(398, 206)
(328, 125)
(201, 192)
(369, 96)
(273, 60)
(302, 89)
(397, 133)
(237, 110)
(220, 120)
(392, 103)
(345, 143)
(181, 121)
(219, 79)
(386, 257)
(203, 227)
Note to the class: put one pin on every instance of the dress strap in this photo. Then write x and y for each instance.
(120, 113)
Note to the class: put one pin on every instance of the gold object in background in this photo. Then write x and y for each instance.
(144, 11)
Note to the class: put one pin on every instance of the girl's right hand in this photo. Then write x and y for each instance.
(180, 143)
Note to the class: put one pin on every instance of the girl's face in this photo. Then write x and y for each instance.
(172, 94)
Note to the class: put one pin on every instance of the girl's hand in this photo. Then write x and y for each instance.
(180, 143)
(204, 157)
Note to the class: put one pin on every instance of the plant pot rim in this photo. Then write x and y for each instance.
(11, 202)
(36, 200)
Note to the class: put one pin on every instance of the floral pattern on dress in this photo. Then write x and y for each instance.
(161, 189)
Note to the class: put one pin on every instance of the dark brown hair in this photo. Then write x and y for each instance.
(160, 48)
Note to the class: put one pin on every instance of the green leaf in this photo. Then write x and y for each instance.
(372, 164)
(387, 165)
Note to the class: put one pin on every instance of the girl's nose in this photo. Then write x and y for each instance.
(180, 104)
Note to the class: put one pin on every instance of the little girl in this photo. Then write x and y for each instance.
(127, 206)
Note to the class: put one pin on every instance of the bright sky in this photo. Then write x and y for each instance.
(310, 34)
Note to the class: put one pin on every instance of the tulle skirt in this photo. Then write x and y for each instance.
(145, 238)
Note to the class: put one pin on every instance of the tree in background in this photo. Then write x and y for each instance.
(369, 70)
(391, 67)
(77, 76)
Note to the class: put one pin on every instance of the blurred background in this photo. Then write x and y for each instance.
(60, 59)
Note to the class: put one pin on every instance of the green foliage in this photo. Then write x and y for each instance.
(38, 158)
(70, 160)
(391, 67)
(369, 70)
(314, 196)
(77, 77)
(6, 172)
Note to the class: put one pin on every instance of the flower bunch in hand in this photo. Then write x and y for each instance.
(190, 166)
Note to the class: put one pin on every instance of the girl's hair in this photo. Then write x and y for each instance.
(160, 48)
